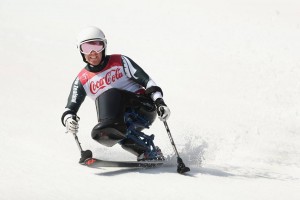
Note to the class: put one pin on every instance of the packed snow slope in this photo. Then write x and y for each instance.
(230, 71)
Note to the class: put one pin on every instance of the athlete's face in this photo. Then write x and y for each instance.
(93, 58)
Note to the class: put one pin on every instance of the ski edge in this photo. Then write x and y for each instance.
(97, 163)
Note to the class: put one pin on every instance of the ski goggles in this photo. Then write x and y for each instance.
(89, 46)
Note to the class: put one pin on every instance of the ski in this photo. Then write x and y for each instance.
(96, 163)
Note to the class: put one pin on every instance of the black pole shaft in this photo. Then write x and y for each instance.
(78, 143)
(181, 168)
(171, 138)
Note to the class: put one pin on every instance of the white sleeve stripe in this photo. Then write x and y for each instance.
(150, 83)
(156, 95)
(129, 69)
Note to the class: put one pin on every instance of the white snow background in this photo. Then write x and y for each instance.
(230, 71)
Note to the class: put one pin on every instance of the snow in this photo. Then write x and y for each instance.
(230, 73)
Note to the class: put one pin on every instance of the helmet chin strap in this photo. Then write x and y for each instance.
(83, 58)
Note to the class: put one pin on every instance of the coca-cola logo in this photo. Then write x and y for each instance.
(108, 79)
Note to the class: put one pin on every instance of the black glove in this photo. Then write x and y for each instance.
(162, 109)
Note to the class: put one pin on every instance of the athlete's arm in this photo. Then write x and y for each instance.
(76, 97)
(137, 74)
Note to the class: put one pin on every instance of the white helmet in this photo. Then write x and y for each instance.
(90, 33)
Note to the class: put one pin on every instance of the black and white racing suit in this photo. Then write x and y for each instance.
(115, 71)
